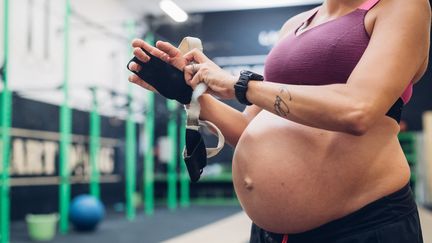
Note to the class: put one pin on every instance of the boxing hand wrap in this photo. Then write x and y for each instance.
(170, 83)
(165, 78)
(195, 152)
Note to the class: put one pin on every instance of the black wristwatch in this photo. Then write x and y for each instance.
(241, 86)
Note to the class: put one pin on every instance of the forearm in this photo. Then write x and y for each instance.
(230, 121)
(330, 107)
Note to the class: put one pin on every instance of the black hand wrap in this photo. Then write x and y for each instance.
(195, 154)
(165, 78)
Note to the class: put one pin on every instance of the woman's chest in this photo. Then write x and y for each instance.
(324, 54)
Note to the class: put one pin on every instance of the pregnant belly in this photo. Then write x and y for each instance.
(291, 178)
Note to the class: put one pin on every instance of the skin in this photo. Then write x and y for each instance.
(319, 152)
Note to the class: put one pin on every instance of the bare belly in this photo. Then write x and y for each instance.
(291, 178)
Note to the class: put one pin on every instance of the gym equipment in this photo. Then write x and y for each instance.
(65, 130)
(41, 227)
(149, 126)
(86, 212)
(130, 170)
(172, 162)
(94, 146)
(6, 110)
(184, 177)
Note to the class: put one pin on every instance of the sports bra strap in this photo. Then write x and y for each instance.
(369, 4)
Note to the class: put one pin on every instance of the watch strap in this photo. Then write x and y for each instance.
(241, 86)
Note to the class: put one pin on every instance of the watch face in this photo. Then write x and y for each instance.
(246, 73)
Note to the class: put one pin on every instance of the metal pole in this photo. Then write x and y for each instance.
(94, 146)
(65, 130)
(149, 126)
(5, 135)
(130, 162)
(172, 163)
(149, 157)
(130, 147)
(184, 177)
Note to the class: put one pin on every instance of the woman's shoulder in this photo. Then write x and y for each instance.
(413, 14)
(403, 7)
(294, 22)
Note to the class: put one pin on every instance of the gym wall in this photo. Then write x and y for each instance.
(34, 157)
(99, 50)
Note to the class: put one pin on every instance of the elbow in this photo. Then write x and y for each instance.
(358, 120)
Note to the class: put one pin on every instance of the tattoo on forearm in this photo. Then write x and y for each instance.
(280, 105)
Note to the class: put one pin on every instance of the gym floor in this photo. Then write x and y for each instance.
(210, 224)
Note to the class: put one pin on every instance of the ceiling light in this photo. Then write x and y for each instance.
(173, 10)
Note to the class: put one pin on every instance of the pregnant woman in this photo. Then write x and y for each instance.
(317, 157)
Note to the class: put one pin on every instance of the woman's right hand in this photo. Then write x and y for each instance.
(163, 50)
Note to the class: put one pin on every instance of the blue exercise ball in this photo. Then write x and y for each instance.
(86, 212)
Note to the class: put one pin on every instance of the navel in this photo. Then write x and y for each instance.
(247, 182)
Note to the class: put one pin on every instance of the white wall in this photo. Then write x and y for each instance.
(96, 58)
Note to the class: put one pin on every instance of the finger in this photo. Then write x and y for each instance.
(193, 68)
(188, 69)
(138, 44)
(196, 79)
(189, 73)
(169, 49)
(196, 55)
(141, 55)
(134, 67)
(137, 80)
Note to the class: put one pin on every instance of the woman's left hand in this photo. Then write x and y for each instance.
(203, 70)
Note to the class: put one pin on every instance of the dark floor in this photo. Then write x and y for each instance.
(163, 225)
